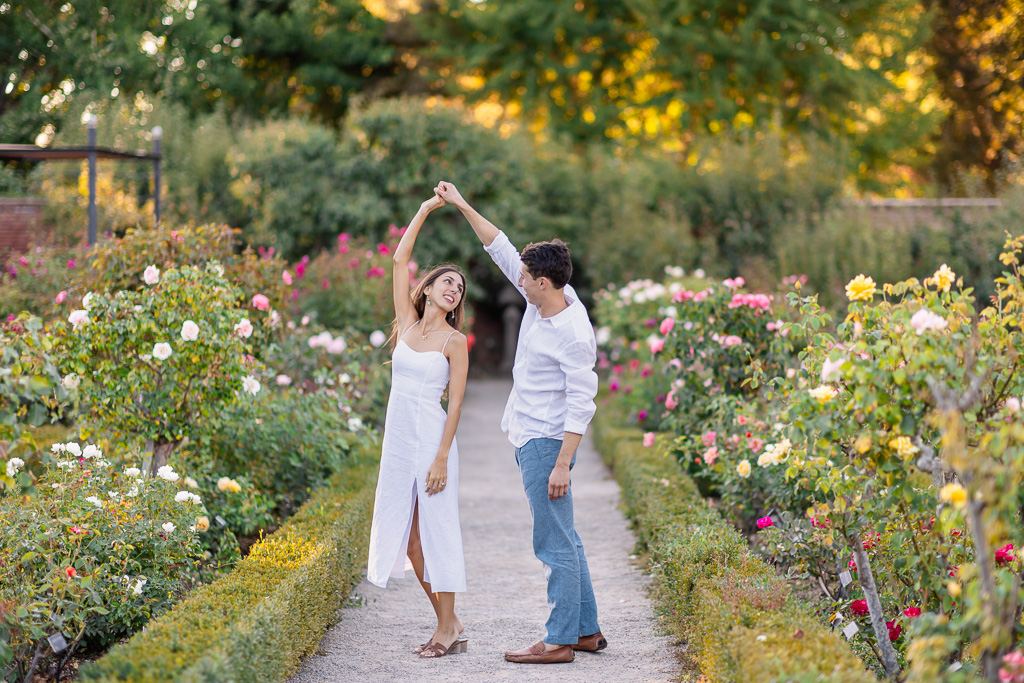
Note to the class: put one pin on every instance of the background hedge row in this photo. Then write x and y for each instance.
(257, 623)
(738, 617)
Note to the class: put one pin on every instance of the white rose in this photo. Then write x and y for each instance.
(66, 464)
(831, 369)
(305, 320)
(91, 452)
(78, 318)
(168, 527)
(13, 465)
(87, 301)
(95, 501)
(134, 491)
(377, 339)
(181, 496)
(133, 471)
(161, 351)
(925, 320)
(57, 448)
(140, 584)
(243, 328)
(166, 472)
(189, 331)
(73, 448)
(137, 308)
(344, 378)
(251, 384)
(274, 319)
(151, 275)
(71, 381)
(355, 424)
(283, 380)
(603, 335)
(191, 483)
(1013, 404)
(336, 346)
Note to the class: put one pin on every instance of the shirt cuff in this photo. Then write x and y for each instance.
(576, 427)
(498, 243)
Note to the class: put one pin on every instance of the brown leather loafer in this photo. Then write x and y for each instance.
(591, 643)
(535, 654)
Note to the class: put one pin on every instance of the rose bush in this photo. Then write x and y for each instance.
(94, 554)
(156, 361)
(32, 393)
(889, 447)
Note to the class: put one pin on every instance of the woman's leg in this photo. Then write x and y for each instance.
(444, 607)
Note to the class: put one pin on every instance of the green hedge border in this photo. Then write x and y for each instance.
(259, 621)
(738, 617)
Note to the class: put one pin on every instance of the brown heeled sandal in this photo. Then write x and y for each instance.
(435, 650)
(420, 648)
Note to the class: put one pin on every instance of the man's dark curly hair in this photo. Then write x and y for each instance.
(549, 259)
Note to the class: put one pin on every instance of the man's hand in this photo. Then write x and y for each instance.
(558, 482)
(450, 194)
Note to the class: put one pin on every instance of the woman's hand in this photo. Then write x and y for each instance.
(437, 475)
(434, 202)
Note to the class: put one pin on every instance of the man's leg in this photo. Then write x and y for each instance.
(554, 542)
(588, 604)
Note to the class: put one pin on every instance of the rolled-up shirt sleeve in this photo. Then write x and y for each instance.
(506, 257)
(577, 363)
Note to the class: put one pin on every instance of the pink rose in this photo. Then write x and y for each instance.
(641, 416)
(756, 444)
(648, 439)
(666, 326)
(710, 455)
(325, 285)
(656, 344)
(912, 612)
(383, 250)
(859, 607)
(61, 296)
(1005, 555)
(300, 269)
(287, 277)
(671, 402)
(894, 629)
(71, 263)
(614, 385)
(709, 438)
(765, 522)
(261, 302)
(375, 272)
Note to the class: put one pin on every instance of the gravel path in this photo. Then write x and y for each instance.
(505, 607)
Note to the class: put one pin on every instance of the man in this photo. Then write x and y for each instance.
(548, 411)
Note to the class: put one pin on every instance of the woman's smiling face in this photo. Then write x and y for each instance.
(447, 291)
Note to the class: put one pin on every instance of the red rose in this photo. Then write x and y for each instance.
(859, 607)
(912, 612)
(1005, 555)
(70, 571)
(894, 629)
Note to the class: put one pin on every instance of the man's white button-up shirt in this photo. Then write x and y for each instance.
(554, 383)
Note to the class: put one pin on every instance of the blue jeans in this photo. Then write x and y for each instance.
(558, 546)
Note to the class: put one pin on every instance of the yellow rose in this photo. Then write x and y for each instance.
(903, 447)
(228, 484)
(860, 288)
(863, 443)
(823, 393)
(944, 277)
(743, 469)
(202, 523)
(955, 495)
(954, 588)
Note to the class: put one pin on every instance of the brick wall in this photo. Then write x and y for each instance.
(20, 223)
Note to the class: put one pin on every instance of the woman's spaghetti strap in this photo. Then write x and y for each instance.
(410, 327)
(446, 342)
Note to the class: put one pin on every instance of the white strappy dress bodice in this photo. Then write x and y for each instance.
(412, 434)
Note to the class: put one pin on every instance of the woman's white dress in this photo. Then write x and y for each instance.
(412, 434)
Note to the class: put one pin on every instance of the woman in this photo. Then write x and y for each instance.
(417, 504)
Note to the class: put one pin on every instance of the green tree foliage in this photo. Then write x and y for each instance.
(665, 69)
(978, 48)
(255, 58)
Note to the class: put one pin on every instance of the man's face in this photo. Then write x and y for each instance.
(530, 285)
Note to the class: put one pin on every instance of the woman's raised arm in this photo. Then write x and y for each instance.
(404, 311)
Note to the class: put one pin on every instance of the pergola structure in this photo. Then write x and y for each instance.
(92, 153)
